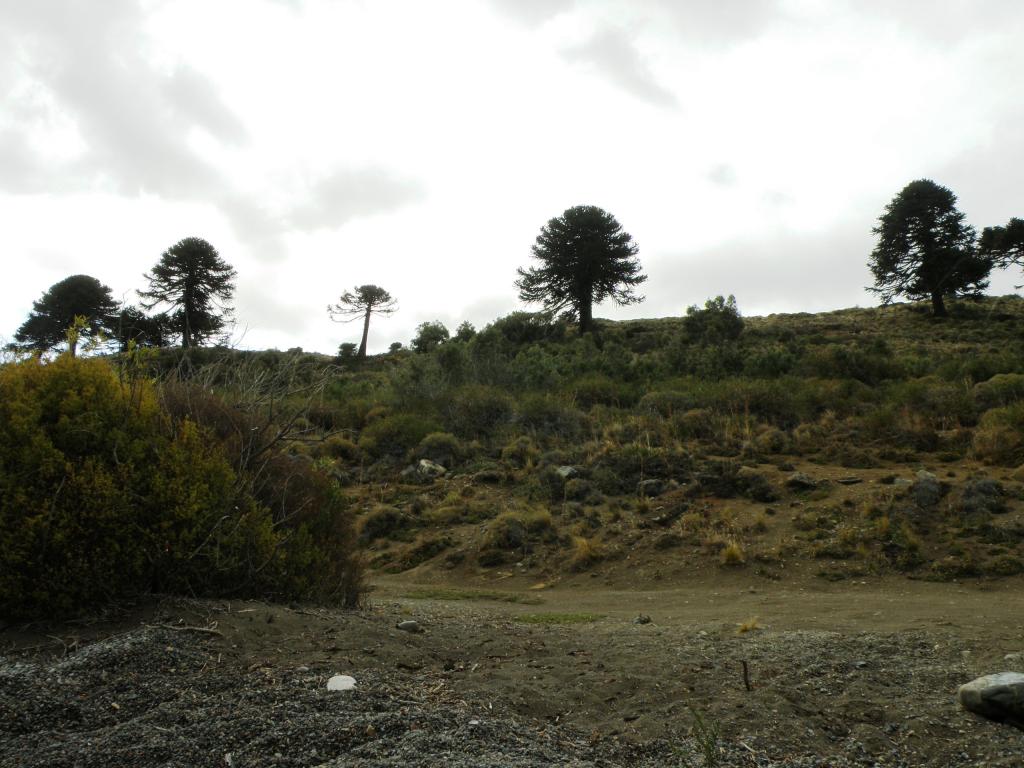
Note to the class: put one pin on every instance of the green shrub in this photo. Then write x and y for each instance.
(521, 452)
(667, 404)
(548, 416)
(1002, 389)
(443, 447)
(478, 411)
(718, 322)
(598, 389)
(999, 437)
(396, 434)
(337, 447)
(103, 495)
(382, 523)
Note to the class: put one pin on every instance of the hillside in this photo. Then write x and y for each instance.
(837, 444)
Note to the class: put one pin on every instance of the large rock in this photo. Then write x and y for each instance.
(998, 697)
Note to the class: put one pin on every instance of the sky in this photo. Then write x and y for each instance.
(748, 146)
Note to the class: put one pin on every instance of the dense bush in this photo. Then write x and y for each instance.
(999, 438)
(478, 411)
(394, 435)
(104, 494)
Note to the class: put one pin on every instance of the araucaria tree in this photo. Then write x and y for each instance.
(362, 302)
(196, 285)
(78, 296)
(925, 249)
(585, 257)
(1004, 245)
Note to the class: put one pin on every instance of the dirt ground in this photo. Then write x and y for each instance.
(854, 673)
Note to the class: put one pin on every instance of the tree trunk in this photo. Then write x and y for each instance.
(73, 346)
(586, 315)
(938, 306)
(366, 332)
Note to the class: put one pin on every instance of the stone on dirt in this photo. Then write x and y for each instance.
(341, 683)
(998, 697)
(409, 626)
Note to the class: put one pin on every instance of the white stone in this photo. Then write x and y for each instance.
(341, 683)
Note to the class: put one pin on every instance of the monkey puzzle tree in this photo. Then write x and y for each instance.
(196, 284)
(362, 302)
(78, 296)
(925, 249)
(1004, 245)
(585, 257)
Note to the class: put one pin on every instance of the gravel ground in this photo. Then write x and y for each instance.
(157, 696)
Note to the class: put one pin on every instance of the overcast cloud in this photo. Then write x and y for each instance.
(748, 145)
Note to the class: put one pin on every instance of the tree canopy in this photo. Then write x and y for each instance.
(925, 249)
(78, 296)
(1004, 245)
(585, 257)
(197, 285)
(363, 301)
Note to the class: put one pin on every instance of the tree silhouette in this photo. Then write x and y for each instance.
(132, 325)
(78, 296)
(585, 257)
(363, 301)
(196, 285)
(925, 250)
(1004, 245)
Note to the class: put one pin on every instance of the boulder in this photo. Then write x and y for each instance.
(409, 626)
(998, 697)
(566, 472)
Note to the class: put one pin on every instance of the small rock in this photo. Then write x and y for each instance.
(409, 626)
(998, 697)
(801, 481)
(341, 683)
(849, 480)
(430, 469)
(566, 472)
(1013, 657)
(643, 618)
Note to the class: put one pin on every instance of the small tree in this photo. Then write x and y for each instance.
(347, 351)
(925, 249)
(429, 336)
(197, 286)
(1004, 245)
(718, 323)
(585, 257)
(465, 331)
(78, 296)
(364, 301)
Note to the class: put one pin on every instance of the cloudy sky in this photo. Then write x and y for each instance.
(747, 145)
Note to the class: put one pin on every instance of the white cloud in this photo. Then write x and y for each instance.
(748, 146)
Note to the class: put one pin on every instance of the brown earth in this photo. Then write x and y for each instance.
(863, 670)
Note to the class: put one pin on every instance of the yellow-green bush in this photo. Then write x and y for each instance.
(999, 437)
(102, 495)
